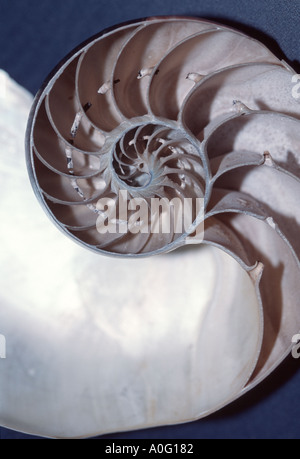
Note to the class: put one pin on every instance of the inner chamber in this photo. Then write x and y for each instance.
(141, 192)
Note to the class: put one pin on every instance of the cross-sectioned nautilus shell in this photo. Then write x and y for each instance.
(172, 109)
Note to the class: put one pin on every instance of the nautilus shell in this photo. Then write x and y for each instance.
(159, 111)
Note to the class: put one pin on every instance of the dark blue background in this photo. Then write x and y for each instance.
(36, 34)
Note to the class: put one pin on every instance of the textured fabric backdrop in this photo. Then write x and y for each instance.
(35, 35)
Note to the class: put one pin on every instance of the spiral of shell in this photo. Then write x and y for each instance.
(183, 108)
